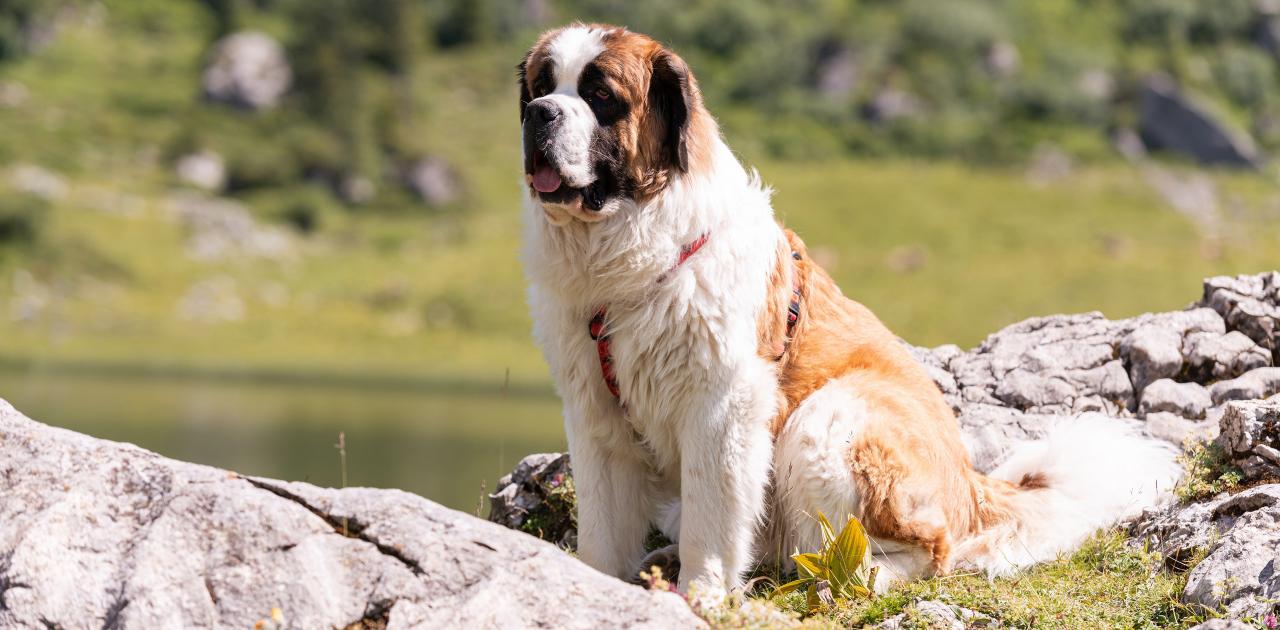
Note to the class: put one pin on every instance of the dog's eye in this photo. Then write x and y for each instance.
(602, 95)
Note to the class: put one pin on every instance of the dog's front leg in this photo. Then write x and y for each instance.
(726, 450)
(614, 491)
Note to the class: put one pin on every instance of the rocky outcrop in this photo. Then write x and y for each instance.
(1240, 535)
(95, 534)
(220, 229)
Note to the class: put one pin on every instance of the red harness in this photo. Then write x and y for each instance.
(596, 328)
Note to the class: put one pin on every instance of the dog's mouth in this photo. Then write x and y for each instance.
(545, 179)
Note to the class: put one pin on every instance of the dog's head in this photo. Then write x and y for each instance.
(609, 116)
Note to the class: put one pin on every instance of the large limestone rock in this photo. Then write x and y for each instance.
(1174, 122)
(95, 534)
(248, 70)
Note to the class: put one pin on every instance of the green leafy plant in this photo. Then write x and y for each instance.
(838, 571)
(1208, 472)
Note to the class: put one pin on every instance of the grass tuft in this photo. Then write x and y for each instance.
(1208, 472)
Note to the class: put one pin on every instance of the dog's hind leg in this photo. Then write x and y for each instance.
(811, 467)
(814, 473)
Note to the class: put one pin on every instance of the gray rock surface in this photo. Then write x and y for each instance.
(1177, 429)
(1252, 385)
(1241, 534)
(528, 499)
(95, 534)
(1214, 356)
(1173, 122)
(248, 70)
(1251, 437)
(203, 169)
(1222, 624)
(1250, 304)
(219, 229)
(939, 615)
(433, 181)
(1189, 400)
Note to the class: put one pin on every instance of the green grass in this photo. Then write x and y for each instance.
(1107, 583)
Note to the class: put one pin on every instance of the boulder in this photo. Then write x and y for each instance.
(939, 615)
(203, 169)
(1177, 429)
(1252, 385)
(1154, 349)
(1188, 400)
(1251, 436)
(433, 181)
(1249, 304)
(537, 498)
(837, 71)
(247, 70)
(1171, 121)
(1213, 356)
(100, 534)
(1002, 59)
(891, 104)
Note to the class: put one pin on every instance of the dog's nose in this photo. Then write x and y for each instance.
(543, 112)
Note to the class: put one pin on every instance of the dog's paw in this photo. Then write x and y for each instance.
(666, 559)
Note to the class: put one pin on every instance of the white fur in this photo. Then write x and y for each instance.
(569, 53)
(697, 397)
(812, 474)
(1098, 471)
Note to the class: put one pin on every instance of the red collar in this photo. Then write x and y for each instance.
(596, 328)
(687, 250)
(600, 334)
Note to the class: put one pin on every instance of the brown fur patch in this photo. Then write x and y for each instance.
(914, 477)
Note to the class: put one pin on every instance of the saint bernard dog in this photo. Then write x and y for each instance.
(717, 384)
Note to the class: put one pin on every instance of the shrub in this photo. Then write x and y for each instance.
(838, 571)
(1245, 74)
(962, 27)
(22, 220)
(1208, 472)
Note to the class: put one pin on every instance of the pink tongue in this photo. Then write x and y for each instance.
(546, 179)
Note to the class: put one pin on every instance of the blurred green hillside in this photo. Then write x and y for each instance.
(993, 196)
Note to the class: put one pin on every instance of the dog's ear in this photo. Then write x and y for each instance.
(521, 74)
(673, 98)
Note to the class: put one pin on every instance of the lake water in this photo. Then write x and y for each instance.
(447, 443)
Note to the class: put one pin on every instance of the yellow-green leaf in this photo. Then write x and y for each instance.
(810, 565)
(789, 587)
(828, 533)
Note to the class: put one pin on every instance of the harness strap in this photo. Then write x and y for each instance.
(600, 334)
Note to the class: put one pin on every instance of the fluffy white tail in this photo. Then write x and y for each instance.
(1089, 473)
